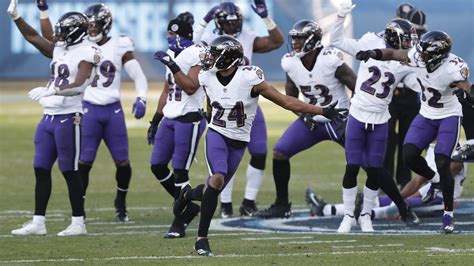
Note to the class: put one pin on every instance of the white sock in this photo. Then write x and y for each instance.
(254, 182)
(435, 178)
(449, 213)
(77, 220)
(38, 219)
(339, 209)
(385, 212)
(327, 210)
(470, 142)
(348, 197)
(226, 194)
(370, 196)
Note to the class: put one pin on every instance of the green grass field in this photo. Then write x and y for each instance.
(141, 241)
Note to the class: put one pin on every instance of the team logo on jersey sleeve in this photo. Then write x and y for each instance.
(464, 72)
(259, 73)
(97, 59)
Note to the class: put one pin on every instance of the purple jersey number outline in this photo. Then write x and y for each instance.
(236, 114)
(376, 75)
(107, 69)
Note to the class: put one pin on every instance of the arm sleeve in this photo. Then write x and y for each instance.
(199, 31)
(135, 71)
(338, 40)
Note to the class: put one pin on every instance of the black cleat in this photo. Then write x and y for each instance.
(190, 213)
(202, 247)
(435, 188)
(226, 210)
(181, 203)
(358, 205)
(464, 154)
(248, 208)
(121, 214)
(410, 219)
(275, 211)
(315, 204)
(179, 225)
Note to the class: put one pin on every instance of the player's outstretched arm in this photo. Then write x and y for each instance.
(31, 35)
(188, 83)
(337, 38)
(275, 38)
(201, 27)
(45, 23)
(384, 55)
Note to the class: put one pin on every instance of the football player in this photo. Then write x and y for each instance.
(228, 20)
(439, 74)
(233, 92)
(178, 122)
(103, 114)
(366, 131)
(57, 135)
(321, 75)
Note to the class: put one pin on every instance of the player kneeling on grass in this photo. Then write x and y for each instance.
(233, 92)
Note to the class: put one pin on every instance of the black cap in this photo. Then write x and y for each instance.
(181, 28)
(404, 9)
(418, 18)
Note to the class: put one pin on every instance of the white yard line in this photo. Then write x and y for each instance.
(275, 238)
(317, 242)
(368, 246)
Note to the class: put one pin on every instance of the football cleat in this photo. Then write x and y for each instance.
(435, 188)
(448, 224)
(121, 214)
(358, 204)
(315, 204)
(74, 229)
(275, 211)
(202, 247)
(30, 228)
(248, 209)
(181, 203)
(178, 227)
(226, 210)
(347, 223)
(411, 219)
(464, 154)
(365, 223)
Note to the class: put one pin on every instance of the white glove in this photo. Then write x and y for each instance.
(40, 92)
(12, 11)
(345, 7)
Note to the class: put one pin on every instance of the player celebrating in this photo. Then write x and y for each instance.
(439, 73)
(320, 74)
(228, 19)
(58, 132)
(177, 136)
(233, 92)
(366, 132)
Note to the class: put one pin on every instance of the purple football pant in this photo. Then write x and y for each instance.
(177, 141)
(58, 137)
(258, 134)
(297, 137)
(221, 157)
(105, 122)
(365, 143)
(423, 131)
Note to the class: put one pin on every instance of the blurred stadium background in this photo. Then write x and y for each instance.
(23, 68)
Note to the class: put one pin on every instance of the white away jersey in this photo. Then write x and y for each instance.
(233, 107)
(319, 85)
(246, 38)
(64, 67)
(105, 88)
(437, 99)
(179, 102)
(376, 81)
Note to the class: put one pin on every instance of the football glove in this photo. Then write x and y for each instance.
(366, 55)
(309, 121)
(12, 9)
(139, 108)
(165, 58)
(42, 5)
(345, 7)
(260, 8)
(40, 92)
(153, 128)
(210, 14)
(333, 113)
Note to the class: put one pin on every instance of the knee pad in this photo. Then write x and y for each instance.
(181, 176)
(442, 161)
(410, 153)
(122, 163)
(350, 177)
(279, 156)
(160, 171)
(258, 161)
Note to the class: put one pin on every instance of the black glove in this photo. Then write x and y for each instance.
(333, 113)
(309, 121)
(366, 55)
(166, 59)
(153, 128)
(463, 96)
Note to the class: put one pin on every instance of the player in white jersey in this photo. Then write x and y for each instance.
(321, 75)
(233, 92)
(228, 20)
(57, 135)
(367, 126)
(178, 122)
(439, 73)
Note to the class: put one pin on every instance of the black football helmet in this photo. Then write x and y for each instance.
(228, 19)
(222, 53)
(100, 21)
(433, 47)
(305, 36)
(70, 29)
(400, 34)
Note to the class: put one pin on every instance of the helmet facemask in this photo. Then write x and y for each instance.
(100, 22)
(70, 29)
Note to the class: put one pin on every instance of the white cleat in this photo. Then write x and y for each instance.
(74, 229)
(347, 223)
(29, 229)
(365, 223)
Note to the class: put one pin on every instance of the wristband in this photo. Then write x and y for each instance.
(378, 54)
(174, 68)
(269, 23)
(44, 14)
